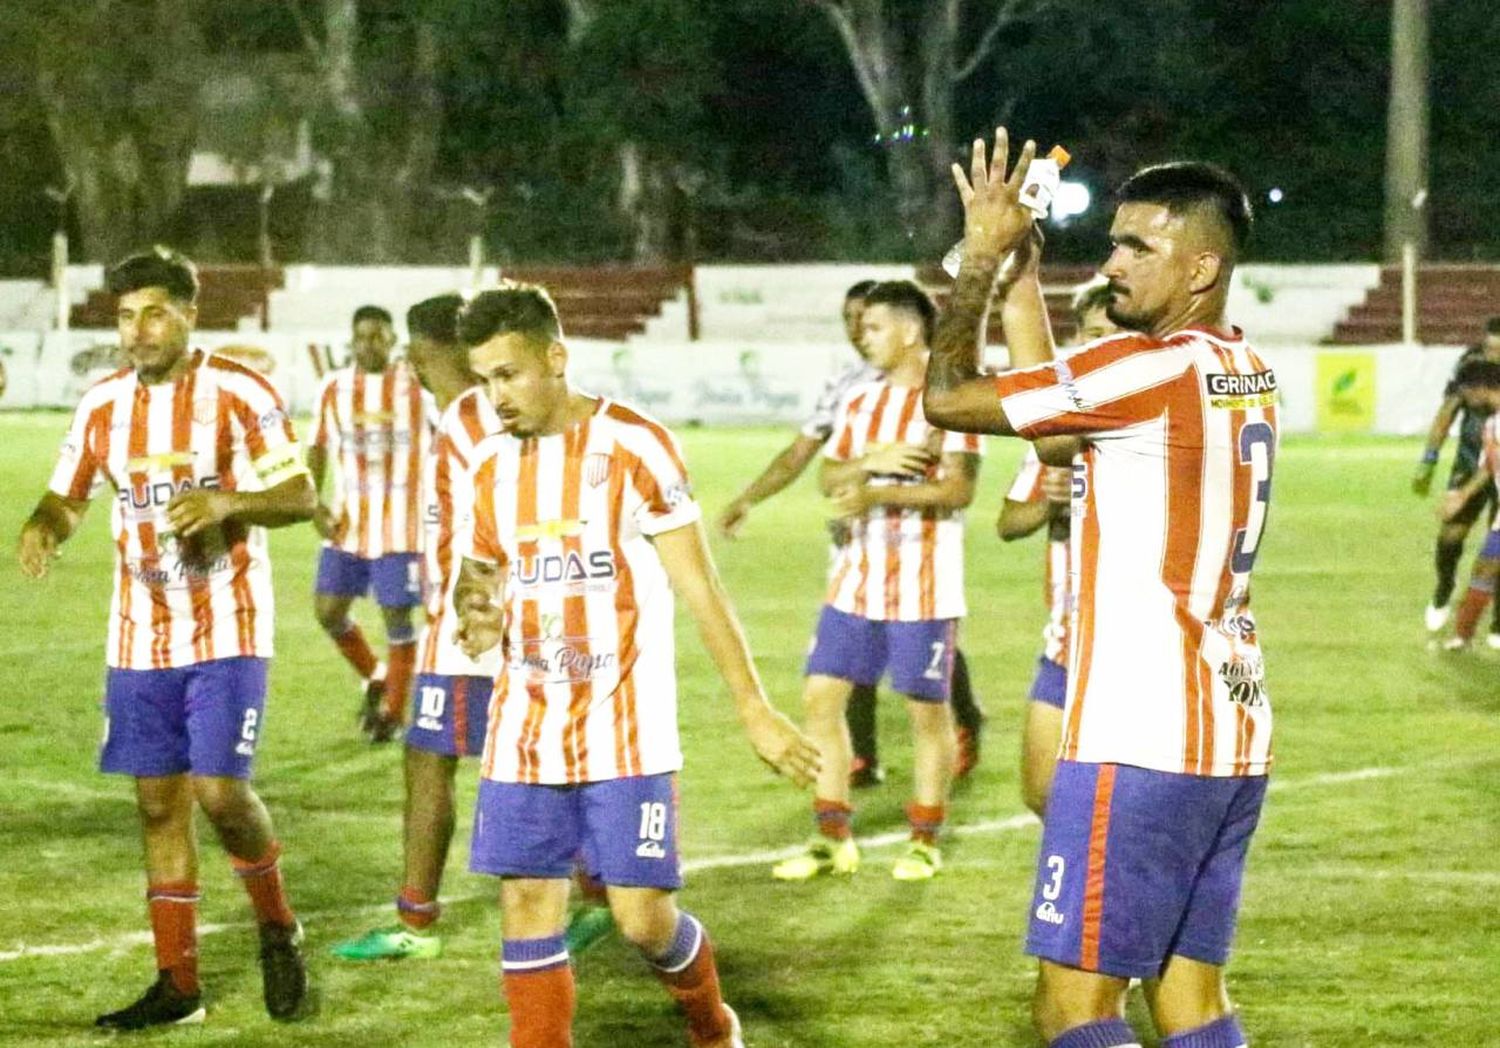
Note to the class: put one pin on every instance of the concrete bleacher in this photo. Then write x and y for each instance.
(1453, 303)
(231, 298)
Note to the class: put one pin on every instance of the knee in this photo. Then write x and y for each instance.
(932, 720)
(160, 811)
(648, 928)
(224, 802)
(333, 619)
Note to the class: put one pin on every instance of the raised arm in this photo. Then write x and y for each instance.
(690, 568)
(958, 396)
(50, 525)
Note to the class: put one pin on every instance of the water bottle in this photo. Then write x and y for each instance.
(1042, 181)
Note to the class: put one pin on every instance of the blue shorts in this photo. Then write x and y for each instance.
(1050, 685)
(1137, 865)
(451, 714)
(204, 719)
(623, 831)
(395, 577)
(1491, 548)
(919, 655)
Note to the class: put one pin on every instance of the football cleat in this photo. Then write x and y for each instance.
(822, 857)
(1435, 618)
(1455, 644)
(736, 1032)
(865, 772)
(389, 944)
(587, 926)
(283, 972)
(162, 1005)
(1493, 641)
(369, 706)
(920, 863)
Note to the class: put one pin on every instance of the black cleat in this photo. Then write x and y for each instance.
(865, 773)
(283, 972)
(369, 706)
(383, 729)
(162, 1005)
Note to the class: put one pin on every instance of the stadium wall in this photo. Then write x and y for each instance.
(1377, 389)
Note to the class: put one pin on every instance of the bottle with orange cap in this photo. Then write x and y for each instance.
(1041, 185)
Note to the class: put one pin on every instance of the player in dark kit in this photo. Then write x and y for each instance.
(1455, 529)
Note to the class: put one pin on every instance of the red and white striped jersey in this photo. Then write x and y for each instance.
(220, 425)
(1169, 507)
(1027, 487)
(377, 430)
(900, 564)
(450, 506)
(588, 690)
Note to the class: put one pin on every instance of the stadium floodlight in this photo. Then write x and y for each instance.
(1073, 198)
(1276, 196)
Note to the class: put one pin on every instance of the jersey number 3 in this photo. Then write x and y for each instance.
(1257, 449)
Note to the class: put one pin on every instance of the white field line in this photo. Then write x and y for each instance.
(124, 940)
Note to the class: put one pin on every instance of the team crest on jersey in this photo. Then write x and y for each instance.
(596, 469)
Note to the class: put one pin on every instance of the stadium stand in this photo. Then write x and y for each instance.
(232, 298)
(1453, 302)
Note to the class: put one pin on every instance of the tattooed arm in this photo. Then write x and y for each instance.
(958, 396)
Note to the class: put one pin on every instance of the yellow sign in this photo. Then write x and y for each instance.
(1346, 392)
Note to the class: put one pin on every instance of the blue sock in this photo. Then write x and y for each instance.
(534, 955)
(1106, 1033)
(686, 943)
(1223, 1032)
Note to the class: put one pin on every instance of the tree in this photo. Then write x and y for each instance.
(908, 61)
(122, 117)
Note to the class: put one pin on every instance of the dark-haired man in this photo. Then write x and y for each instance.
(584, 525)
(865, 770)
(1477, 384)
(452, 690)
(896, 595)
(1455, 527)
(1166, 734)
(375, 420)
(202, 458)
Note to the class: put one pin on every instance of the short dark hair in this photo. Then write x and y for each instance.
(1186, 185)
(905, 295)
(1492, 326)
(160, 267)
(373, 313)
(860, 290)
(512, 308)
(1484, 373)
(435, 318)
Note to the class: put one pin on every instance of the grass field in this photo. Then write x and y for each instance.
(1369, 918)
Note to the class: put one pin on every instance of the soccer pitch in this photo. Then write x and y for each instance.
(1369, 914)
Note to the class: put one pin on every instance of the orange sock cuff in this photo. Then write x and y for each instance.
(695, 988)
(262, 880)
(835, 819)
(416, 909)
(926, 821)
(173, 906)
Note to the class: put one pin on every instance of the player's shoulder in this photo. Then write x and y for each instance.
(240, 382)
(469, 418)
(106, 387)
(634, 429)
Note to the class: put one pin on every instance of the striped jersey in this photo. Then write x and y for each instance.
(900, 564)
(1027, 487)
(1180, 437)
(450, 504)
(377, 430)
(1490, 457)
(588, 689)
(180, 601)
(819, 425)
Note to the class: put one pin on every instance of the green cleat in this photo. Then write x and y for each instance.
(823, 857)
(920, 863)
(389, 944)
(587, 926)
